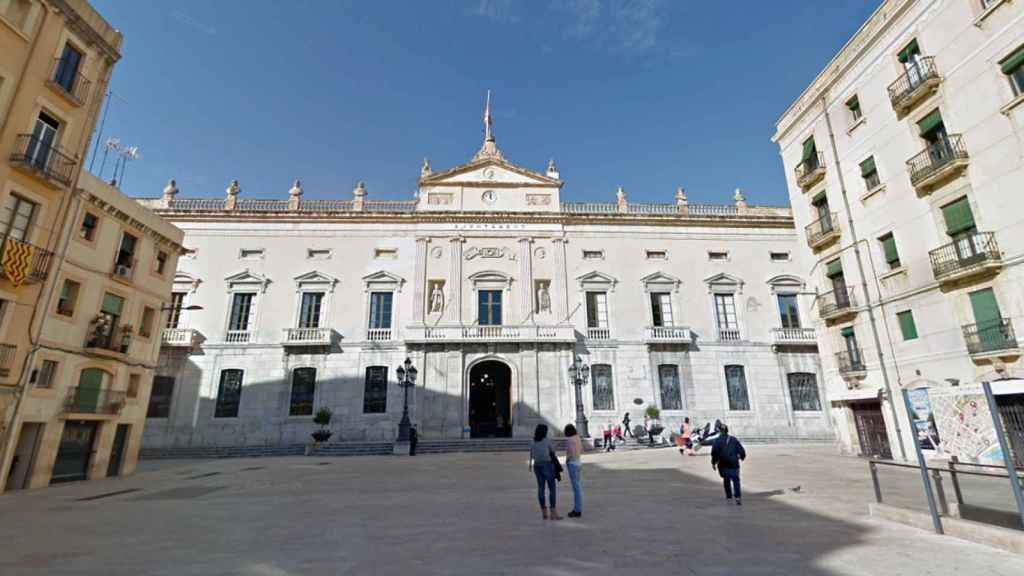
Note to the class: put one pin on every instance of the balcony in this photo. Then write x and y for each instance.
(307, 336)
(728, 335)
(94, 401)
(522, 333)
(124, 272)
(995, 338)
(851, 364)
(972, 254)
(106, 339)
(42, 160)
(810, 171)
(378, 334)
(6, 359)
(238, 336)
(599, 333)
(917, 83)
(836, 305)
(29, 264)
(938, 163)
(667, 335)
(822, 232)
(69, 83)
(175, 337)
(794, 337)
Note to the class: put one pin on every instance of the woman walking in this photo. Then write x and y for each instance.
(687, 435)
(573, 451)
(542, 460)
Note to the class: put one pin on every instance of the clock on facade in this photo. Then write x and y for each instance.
(489, 196)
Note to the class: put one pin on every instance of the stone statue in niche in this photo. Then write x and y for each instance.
(436, 298)
(543, 298)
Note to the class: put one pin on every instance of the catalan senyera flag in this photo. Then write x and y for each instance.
(16, 261)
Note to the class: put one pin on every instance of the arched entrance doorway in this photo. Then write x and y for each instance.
(490, 400)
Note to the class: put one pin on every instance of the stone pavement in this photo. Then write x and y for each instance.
(646, 512)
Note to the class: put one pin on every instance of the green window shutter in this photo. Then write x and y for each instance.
(808, 150)
(985, 307)
(853, 104)
(112, 304)
(1015, 60)
(846, 332)
(889, 247)
(867, 167)
(958, 216)
(819, 198)
(907, 325)
(930, 123)
(834, 268)
(909, 51)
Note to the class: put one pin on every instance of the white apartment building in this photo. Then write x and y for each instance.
(904, 166)
(492, 286)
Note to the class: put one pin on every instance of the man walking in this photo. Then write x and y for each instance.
(726, 453)
(414, 439)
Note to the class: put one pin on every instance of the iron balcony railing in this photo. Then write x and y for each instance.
(793, 336)
(836, 302)
(179, 336)
(935, 157)
(307, 336)
(43, 158)
(992, 336)
(821, 229)
(914, 77)
(7, 358)
(85, 400)
(808, 171)
(70, 81)
(113, 338)
(850, 361)
(28, 259)
(966, 253)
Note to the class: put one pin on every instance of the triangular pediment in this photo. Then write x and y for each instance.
(596, 279)
(247, 277)
(661, 278)
(489, 171)
(315, 277)
(724, 281)
(383, 279)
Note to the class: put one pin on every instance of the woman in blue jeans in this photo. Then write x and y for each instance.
(573, 451)
(543, 464)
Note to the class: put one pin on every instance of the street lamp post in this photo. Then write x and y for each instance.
(579, 373)
(406, 379)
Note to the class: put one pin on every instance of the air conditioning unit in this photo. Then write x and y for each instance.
(122, 270)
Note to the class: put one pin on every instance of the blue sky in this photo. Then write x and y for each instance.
(646, 94)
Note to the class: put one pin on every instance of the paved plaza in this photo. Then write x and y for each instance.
(646, 511)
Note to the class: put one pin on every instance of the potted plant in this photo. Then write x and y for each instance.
(322, 419)
(655, 429)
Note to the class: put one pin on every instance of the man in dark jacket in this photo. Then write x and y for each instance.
(726, 453)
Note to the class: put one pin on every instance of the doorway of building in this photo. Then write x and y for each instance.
(75, 451)
(1011, 411)
(490, 400)
(117, 450)
(24, 456)
(871, 431)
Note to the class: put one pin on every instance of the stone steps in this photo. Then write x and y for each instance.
(353, 449)
(480, 445)
(198, 452)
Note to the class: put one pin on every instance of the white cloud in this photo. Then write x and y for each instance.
(628, 26)
(497, 10)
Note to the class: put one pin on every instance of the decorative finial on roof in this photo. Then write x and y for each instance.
(488, 134)
(553, 170)
(296, 189)
(741, 202)
(680, 196)
(620, 195)
(360, 190)
(490, 147)
(234, 188)
(171, 189)
(426, 171)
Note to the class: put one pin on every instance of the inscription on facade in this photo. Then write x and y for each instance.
(489, 252)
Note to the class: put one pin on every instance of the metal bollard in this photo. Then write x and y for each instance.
(940, 492)
(874, 481)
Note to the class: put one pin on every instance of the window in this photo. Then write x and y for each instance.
(718, 256)
(958, 217)
(44, 140)
(809, 155)
(779, 256)
(661, 309)
(146, 322)
(725, 312)
(604, 393)
(102, 336)
(318, 253)
(67, 68)
(229, 394)
(161, 261)
(89, 225)
(389, 253)
(242, 311)
(375, 390)
(380, 310)
(174, 314)
(303, 392)
(852, 348)
(489, 307)
(19, 215)
(309, 309)
(1013, 67)
(250, 254)
(133, 385)
(892, 256)
(657, 255)
(125, 255)
(907, 326)
(869, 172)
(853, 105)
(593, 254)
(68, 298)
(671, 396)
(910, 57)
(789, 311)
(834, 272)
(16, 12)
(597, 309)
(820, 206)
(933, 131)
(987, 316)
(803, 392)
(45, 374)
(160, 397)
(736, 388)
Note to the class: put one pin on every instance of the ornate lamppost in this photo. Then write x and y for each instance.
(579, 373)
(406, 379)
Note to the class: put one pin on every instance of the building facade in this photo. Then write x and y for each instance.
(903, 158)
(492, 286)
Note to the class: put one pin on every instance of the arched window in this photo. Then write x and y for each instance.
(229, 394)
(736, 387)
(671, 397)
(604, 393)
(803, 391)
(303, 392)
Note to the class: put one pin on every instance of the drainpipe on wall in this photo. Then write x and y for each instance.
(863, 281)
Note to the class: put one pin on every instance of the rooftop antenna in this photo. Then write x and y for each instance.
(128, 153)
(112, 144)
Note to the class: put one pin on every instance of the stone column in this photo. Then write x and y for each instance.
(526, 287)
(560, 283)
(455, 281)
(419, 292)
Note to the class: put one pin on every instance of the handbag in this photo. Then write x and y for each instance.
(558, 466)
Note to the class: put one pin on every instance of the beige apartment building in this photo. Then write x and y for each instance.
(904, 161)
